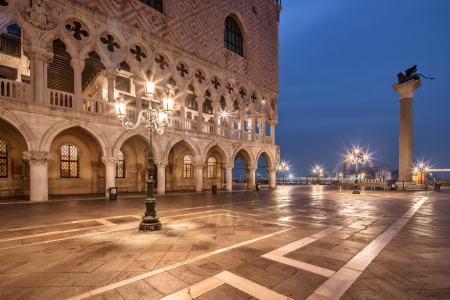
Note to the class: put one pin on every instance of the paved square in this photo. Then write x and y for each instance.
(304, 242)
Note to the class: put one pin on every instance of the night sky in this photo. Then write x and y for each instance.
(338, 62)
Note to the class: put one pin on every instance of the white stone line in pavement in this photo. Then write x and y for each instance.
(195, 290)
(278, 254)
(341, 281)
(170, 267)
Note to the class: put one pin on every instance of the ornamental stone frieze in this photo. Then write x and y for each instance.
(38, 158)
(41, 15)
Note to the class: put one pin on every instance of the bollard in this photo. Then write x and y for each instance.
(112, 193)
(214, 189)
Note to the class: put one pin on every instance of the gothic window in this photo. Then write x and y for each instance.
(190, 99)
(69, 161)
(223, 103)
(187, 166)
(212, 168)
(233, 36)
(10, 42)
(120, 166)
(235, 105)
(156, 4)
(123, 84)
(207, 107)
(3, 159)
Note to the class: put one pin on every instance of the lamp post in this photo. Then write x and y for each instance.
(423, 169)
(283, 168)
(152, 120)
(318, 171)
(357, 157)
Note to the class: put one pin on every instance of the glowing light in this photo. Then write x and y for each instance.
(149, 88)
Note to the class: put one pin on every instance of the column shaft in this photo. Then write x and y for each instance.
(229, 178)
(253, 129)
(161, 184)
(38, 80)
(406, 140)
(78, 67)
(110, 173)
(199, 179)
(139, 91)
(38, 162)
(272, 179)
(182, 117)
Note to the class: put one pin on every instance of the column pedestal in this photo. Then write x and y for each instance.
(406, 93)
(110, 178)
(38, 162)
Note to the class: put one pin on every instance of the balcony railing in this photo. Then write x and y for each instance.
(208, 128)
(14, 89)
(94, 105)
(235, 133)
(58, 98)
(190, 124)
(174, 121)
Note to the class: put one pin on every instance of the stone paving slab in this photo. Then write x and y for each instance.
(219, 246)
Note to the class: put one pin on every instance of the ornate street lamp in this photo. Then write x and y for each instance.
(283, 167)
(357, 157)
(423, 169)
(152, 120)
(318, 171)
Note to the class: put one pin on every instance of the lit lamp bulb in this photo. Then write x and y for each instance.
(162, 117)
(120, 106)
(356, 150)
(149, 88)
(168, 105)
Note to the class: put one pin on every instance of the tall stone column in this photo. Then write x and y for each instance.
(139, 91)
(406, 92)
(242, 127)
(200, 101)
(38, 162)
(78, 67)
(229, 177)
(161, 184)
(253, 128)
(262, 132)
(272, 178)
(110, 166)
(251, 178)
(199, 177)
(111, 78)
(216, 108)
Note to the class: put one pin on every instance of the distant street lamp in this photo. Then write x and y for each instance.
(423, 169)
(152, 120)
(318, 171)
(283, 168)
(357, 157)
(362, 176)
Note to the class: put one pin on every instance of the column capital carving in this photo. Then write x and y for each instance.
(228, 167)
(272, 169)
(109, 160)
(199, 166)
(406, 89)
(77, 64)
(251, 168)
(110, 74)
(272, 122)
(216, 105)
(38, 158)
(160, 164)
(138, 81)
(200, 100)
(40, 54)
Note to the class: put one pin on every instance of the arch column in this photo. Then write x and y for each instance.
(39, 59)
(251, 178)
(161, 184)
(242, 114)
(182, 116)
(111, 78)
(199, 177)
(272, 124)
(262, 132)
(229, 177)
(253, 118)
(139, 91)
(78, 67)
(110, 173)
(272, 178)
(200, 101)
(38, 162)
(216, 107)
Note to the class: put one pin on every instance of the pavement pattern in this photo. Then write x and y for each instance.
(298, 242)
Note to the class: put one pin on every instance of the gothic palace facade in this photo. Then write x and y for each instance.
(63, 63)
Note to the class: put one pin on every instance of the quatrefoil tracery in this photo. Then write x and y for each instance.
(78, 31)
(215, 82)
(138, 53)
(182, 69)
(161, 60)
(230, 87)
(200, 76)
(242, 93)
(110, 42)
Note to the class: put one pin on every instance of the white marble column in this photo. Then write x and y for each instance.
(182, 116)
(216, 108)
(242, 127)
(110, 178)
(229, 177)
(199, 177)
(251, 178)
(406, 93)
(139, 91)
(262, 132)
(161, 171)
(272, 124)
(200, 101)
(111, 78)
(78, 67)
(94, 165)
(38, 162)
(272, 178)
(253, 128)
(38, 58)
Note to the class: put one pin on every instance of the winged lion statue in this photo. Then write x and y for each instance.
(410, 74)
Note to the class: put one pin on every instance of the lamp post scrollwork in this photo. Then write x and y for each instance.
(357, 157)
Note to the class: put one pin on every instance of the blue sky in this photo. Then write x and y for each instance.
(338, 62)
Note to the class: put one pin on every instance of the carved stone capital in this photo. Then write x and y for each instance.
(272, 122)
(228, 167)
(272, 170)
(200, 100)
(216, 105)
(160, 164)
(77, 64)
(110, 74)
(199, 166)
(36, 53)
(37, 158)
(406, 89)
(109, 160)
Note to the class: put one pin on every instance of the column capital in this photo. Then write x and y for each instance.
(138, 81)
(39, 54)
(216, 105)
(272, 122)
(272, 169)
(109, 160)
(252, 168)
(406, 89)
(38, 158)
(77, 64)
(110, 74)
(200, 100)
(228, 167)
(160, 164)
(199, 166)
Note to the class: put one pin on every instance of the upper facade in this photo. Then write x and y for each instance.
(197, 27)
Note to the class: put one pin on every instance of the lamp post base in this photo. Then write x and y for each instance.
(356, 192)
(150, 226)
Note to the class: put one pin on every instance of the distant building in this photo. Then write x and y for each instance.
(371, 173)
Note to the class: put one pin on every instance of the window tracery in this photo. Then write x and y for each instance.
(69, 161)
(120, 166)
(187, 166)
(3, 159)
(233, 36)
(155, 4)
(212, 168)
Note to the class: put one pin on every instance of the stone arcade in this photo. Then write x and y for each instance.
(62, 64)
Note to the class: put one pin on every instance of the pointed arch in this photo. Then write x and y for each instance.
(98, 135)
(247, 154)
(157, 150)
(195, 149)
(221, 148)
(22, 127)
(267, 156)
